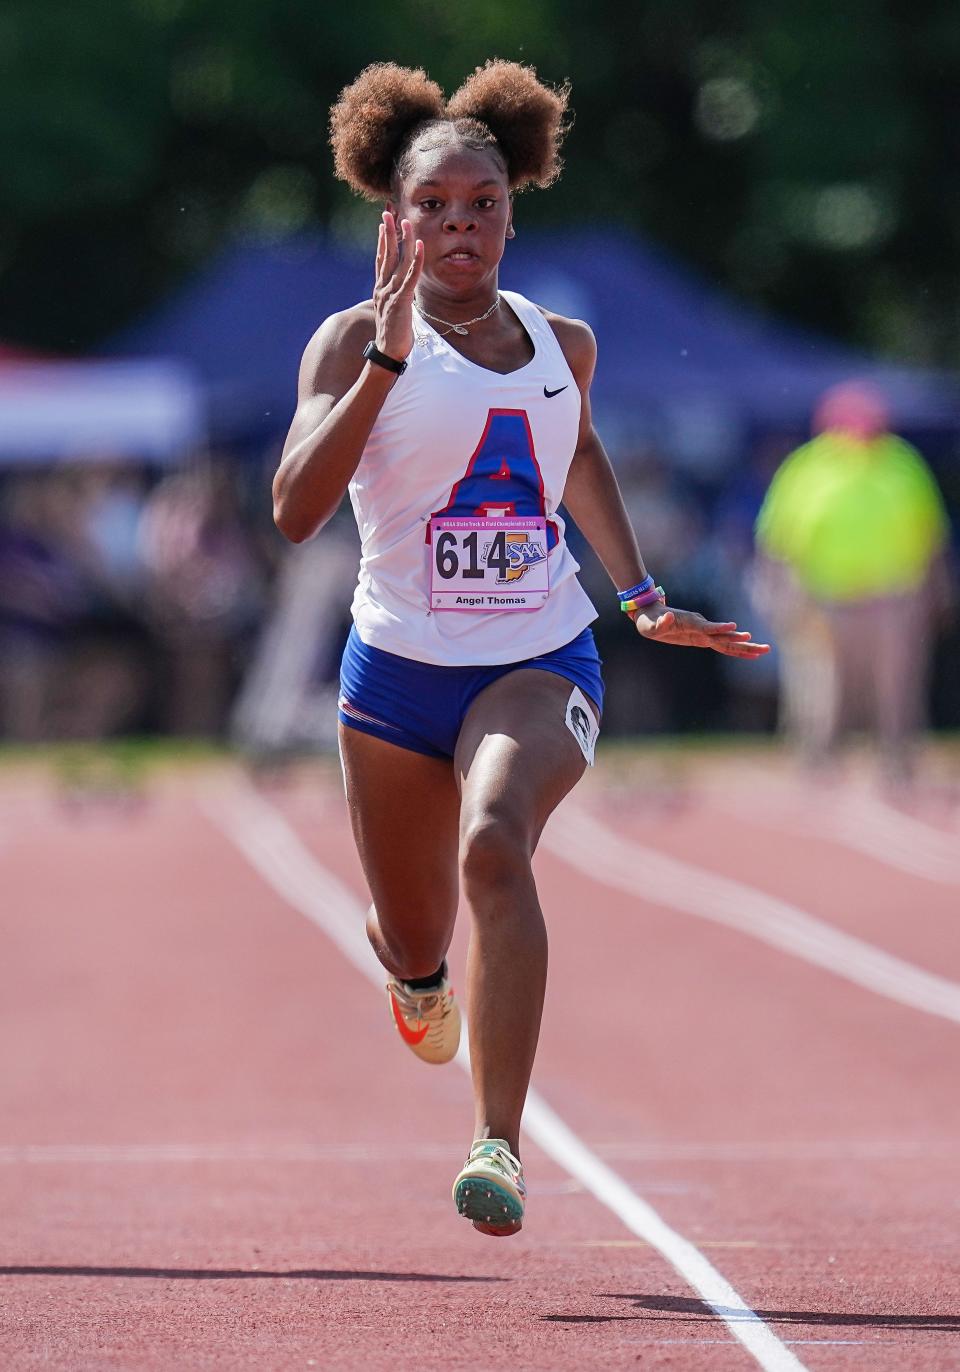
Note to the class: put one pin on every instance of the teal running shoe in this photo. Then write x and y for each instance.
(490, 1190)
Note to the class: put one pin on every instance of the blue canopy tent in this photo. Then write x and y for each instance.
(673, 351)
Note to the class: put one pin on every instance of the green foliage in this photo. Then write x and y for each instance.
(82, 107)
(801, 155)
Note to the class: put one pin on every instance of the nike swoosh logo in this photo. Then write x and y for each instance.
(551, 394)
(411, 1036)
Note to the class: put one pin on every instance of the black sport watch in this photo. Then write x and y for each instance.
(373, 354)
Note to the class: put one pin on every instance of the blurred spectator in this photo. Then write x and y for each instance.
(204, 594)
(41, 592)
(852, 536)
(665, 689)
(71, 655)
(750, 694)
(113, 495)
(106, 663)
(288, 698)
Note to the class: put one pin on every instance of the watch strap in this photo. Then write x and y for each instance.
(373, 354)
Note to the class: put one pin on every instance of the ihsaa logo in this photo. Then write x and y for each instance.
(521, 552)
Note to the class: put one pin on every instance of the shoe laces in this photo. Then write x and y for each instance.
(499, 1155)
(428, 1006)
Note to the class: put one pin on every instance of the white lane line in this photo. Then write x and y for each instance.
(896, 839)
(868, 826)
(813, 1150)
(610, 859)
(686, 1343)
(675, 1153)
(559, 1142)
(268, 843)
(15, 1154)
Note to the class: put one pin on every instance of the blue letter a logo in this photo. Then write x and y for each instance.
(503, 476)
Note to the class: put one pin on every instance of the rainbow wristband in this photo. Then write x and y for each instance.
(651, 597)
(645, 585)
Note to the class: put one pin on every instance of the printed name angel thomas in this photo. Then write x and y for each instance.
(491, 600)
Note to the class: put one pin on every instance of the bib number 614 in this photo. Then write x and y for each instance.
(450, 549)
(485, 563)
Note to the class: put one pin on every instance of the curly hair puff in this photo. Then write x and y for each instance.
(503, 107)
(526, 118)
(373, 118)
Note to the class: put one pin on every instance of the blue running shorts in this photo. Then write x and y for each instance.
(422, 707)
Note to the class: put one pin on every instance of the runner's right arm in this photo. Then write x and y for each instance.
(340, 395)
(339, 398)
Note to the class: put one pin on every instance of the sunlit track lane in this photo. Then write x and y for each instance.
(814, 1119)
(769, 847)
(172, 1034)
(744, 1042)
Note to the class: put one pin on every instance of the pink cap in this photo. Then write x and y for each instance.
(857, 408)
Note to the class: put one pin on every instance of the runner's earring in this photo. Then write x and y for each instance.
(511, 232)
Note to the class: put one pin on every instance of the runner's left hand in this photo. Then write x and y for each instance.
(687, 629)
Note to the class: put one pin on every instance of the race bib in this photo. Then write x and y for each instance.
(486, 564)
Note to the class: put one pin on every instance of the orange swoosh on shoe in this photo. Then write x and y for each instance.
(411, 1036)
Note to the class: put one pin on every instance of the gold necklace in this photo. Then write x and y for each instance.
(459, 328)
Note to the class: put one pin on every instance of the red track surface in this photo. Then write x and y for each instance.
(216, 1153)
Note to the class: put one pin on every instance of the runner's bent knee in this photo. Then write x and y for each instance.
(416, 944)
(494, 853)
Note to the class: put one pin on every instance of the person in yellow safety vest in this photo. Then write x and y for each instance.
(852, 537)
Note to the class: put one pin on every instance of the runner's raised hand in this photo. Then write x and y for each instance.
(396, 281)
(688, 629)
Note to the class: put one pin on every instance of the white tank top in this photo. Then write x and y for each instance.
(457, 439)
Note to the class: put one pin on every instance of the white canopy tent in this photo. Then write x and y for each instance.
(150, 410)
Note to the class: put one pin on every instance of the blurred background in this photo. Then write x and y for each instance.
(760, 204)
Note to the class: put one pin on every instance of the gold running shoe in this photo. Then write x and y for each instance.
(428, 1021)
(490, 1189)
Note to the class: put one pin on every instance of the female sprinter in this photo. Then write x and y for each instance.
(458, 417)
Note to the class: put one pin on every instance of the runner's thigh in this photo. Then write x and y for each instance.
(516, 758)
(404, 810)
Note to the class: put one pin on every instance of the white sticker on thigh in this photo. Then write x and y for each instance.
(582, 723)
